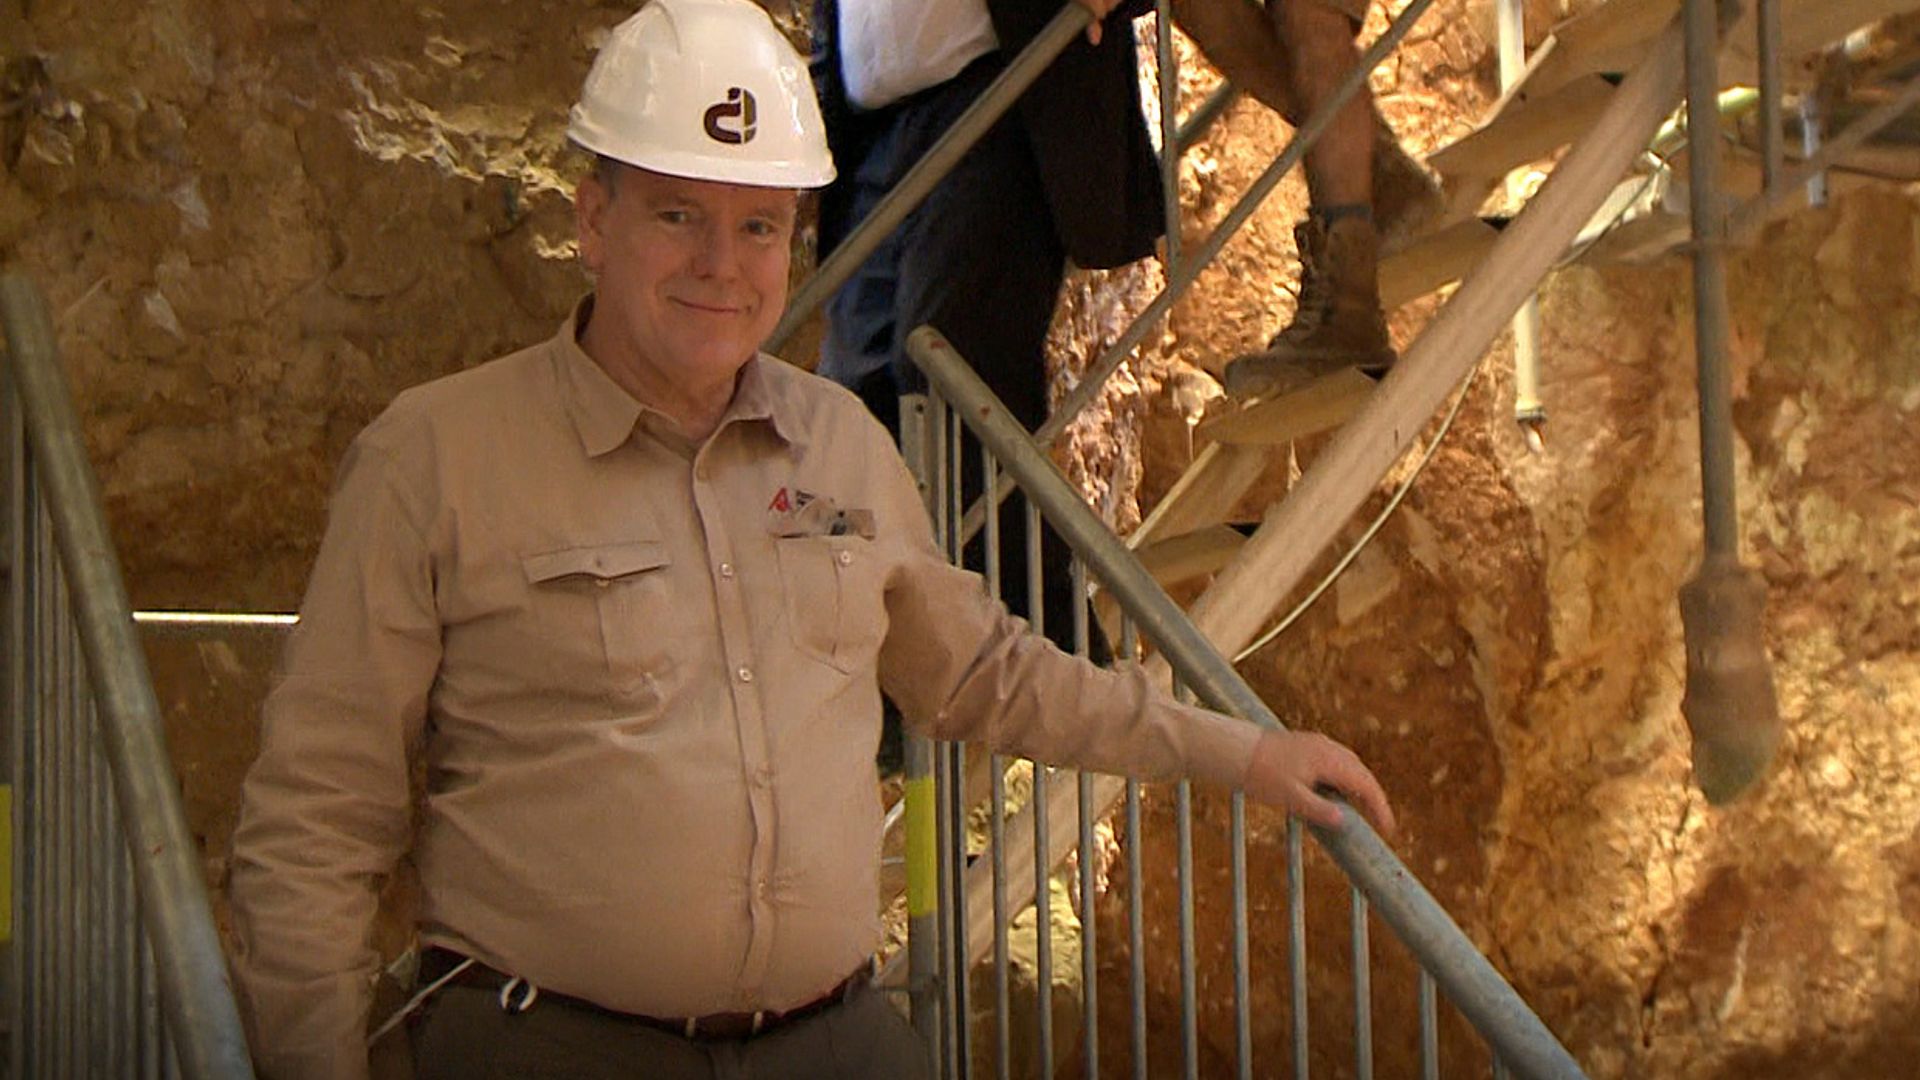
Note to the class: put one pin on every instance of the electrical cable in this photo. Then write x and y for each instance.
(1366, 537)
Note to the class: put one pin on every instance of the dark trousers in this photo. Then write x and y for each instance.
(981, 261)
(463, 1034)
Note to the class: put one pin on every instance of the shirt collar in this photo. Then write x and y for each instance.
(604, 414)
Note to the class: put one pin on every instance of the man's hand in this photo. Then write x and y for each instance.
(1099, 9)
(1288, 765)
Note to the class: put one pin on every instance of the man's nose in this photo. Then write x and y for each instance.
(717, 253)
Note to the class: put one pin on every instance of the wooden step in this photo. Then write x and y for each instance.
(1526, 131)
(1173, 561)
(1436, 259)
(1320, 405)
(1205, 494)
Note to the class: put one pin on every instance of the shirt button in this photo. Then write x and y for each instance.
(726, 570)
(760, 888)
(763, 776)
(746, 674)
(846, 558)
(600, 583)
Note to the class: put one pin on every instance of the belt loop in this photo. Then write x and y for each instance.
(507, 1002)
(693, 1027)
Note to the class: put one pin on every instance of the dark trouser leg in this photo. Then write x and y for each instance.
(981, 261)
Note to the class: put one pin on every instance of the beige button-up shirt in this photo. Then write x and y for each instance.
(645, 678)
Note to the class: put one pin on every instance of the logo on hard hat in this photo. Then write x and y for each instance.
(739, 106)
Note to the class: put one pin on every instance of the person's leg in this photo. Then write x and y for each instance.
(1255, 53)
(982, 262)
(1338, 322)
(1320, 39)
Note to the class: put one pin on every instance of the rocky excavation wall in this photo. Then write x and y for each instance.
(258, 219)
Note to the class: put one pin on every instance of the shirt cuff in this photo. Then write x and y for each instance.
(1219, 747)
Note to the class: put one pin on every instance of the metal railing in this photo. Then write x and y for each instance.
(939, 953)
(1380, 883)
(116, 968)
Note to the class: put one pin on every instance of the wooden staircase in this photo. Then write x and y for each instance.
(1573, 98)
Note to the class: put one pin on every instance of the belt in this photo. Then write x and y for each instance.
(517, 995)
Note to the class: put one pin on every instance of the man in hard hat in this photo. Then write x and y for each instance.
(630, 597)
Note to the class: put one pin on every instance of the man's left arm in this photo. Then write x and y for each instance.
(960, 667)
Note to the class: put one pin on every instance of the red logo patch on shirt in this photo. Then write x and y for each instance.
(784, 503)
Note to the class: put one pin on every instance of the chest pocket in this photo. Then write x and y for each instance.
(622, 590)
(834, 608)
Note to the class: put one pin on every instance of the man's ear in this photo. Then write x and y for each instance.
(591, 200)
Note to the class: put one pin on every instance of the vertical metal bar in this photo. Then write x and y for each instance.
(1297, 944)
(1168, 65)
(922, 837)
(950, 886)
(1529, 410)
(1362, 988)
(956, 483)
(957, 912)
(1089, 941)
(1772, 103)
(150, 1043)
(954, 853)
(1042, 845)
(1429, 1028)
(99, 810)
(947, 876)
(121, 1003)
(1002, 997)
(1189, 1012)
(939, 418)
(1136, 919)
(1813, 118)
(1511, 17)
(1242, 961)
(24, 751)
(47, 808)
(1709, 280)
(64, 840)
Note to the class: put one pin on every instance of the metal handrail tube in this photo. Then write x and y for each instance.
(1187, 271)
(1711, 314)
(1772, 119)
(940, 159)
(1203, 117)
(194, 991)
(1469, 980)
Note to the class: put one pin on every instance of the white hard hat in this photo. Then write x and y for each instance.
(708, 90)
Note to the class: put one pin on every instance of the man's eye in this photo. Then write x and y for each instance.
(674, 217)
(763, 229)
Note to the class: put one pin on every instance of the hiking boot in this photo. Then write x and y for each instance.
(1337, 323)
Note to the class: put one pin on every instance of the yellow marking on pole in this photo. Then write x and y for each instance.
(923, 855)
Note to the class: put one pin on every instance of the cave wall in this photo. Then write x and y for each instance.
(256, 220)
